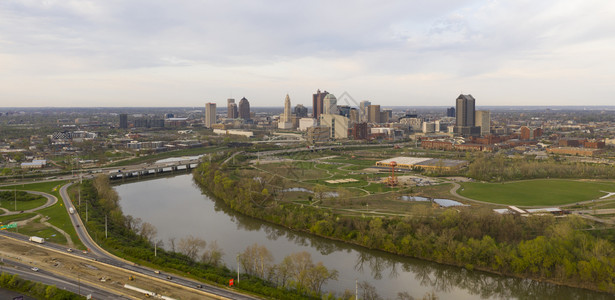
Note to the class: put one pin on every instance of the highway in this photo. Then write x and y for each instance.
(105, 257)
(82, 288)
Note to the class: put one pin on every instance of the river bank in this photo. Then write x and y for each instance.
(488, 249)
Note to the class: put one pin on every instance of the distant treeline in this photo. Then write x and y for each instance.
(498, 167)
(539, 247)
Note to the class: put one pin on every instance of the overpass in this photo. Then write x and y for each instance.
(153, 169)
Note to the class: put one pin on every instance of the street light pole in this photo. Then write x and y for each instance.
(237, 267)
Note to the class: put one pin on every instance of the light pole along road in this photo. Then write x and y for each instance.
(106, 257)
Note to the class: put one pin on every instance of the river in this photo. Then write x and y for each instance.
(178, 208)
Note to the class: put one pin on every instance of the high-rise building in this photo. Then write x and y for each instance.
(343, 110)
(465, 115)
(450, 112)
(244, 109)
(338, 125)
(233, 113)
(123, 121)
(483, 120)
(286, 119)
(287, 113)
(353, 115)
(210, 114)
(364, 111)
(301, 111)
(317, 106)
(231, 108)
(373, 114)
(329, 105)
(359, 131)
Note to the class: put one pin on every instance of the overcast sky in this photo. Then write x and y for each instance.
(411, 53)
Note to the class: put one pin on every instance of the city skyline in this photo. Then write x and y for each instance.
(158, 53)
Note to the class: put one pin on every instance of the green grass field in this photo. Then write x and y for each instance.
(58, 216)
(33, 201)
(541, 192)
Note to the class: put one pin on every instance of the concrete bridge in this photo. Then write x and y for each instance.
(153, 169)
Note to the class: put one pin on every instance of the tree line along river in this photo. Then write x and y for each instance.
(178, 208)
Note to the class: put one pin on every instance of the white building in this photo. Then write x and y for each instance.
(286, 119)
(338, 125)
(305, 123)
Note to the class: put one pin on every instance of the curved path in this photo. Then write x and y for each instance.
(51, 200)
(456, 186)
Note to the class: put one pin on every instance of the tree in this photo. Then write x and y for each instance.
(148, 231)
(318, 275)
(213, 254)
(257, 260)
(172, 242)
(191, 246)
(368, 291)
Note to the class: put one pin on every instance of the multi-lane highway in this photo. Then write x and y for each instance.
(40, 275)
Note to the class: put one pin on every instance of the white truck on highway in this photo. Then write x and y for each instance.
(71, 210)
(37, 239)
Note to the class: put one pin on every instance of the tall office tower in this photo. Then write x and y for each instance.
(329, 105)
(450, 112)
(233, 113)
(287, 113)
(244, 109)
(210, 114)
(231, 108)
(343, 110)
(353, 115)
(364, 111)
(301, 111)
(465, 115)
(123, 121)
(373, 114)
(317, 100)
(483, 120)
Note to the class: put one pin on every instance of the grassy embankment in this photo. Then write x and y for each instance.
(57, 214)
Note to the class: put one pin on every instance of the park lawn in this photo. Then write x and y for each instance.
(541, 192)
(14, 218)
(37, 229)
(23, 205)
(57, 213)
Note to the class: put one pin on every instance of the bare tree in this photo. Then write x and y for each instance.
(213, 254)
(172, 242)
(191, 246)
(257, 260)
(148, 231)
(368, 291)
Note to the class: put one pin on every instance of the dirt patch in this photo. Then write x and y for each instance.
(95, 273)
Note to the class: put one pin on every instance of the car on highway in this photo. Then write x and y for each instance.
(69, 250)
(169, 277)
(84, 252)
(157, 272)
(35, 269)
